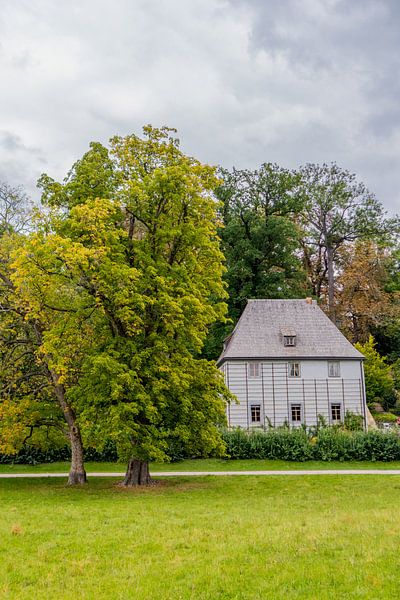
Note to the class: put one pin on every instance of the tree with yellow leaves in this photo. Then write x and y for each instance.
(126, 272)
(362, 301)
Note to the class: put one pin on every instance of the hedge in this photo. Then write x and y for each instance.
(30, 455)
(298, 445)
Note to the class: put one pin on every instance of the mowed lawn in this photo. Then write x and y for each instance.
(204, 538)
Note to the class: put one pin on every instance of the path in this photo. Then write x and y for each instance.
(218, 473)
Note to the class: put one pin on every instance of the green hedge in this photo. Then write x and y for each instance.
(298, 445)
(30, 455)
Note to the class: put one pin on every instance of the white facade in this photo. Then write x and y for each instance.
(279, 391)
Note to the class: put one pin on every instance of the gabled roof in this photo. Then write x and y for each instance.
(258, 333)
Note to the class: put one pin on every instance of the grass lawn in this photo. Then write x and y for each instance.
(212, 464)
(204, 538)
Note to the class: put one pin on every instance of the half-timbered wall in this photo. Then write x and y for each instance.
(275, 391)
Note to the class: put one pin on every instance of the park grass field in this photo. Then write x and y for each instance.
(203, 538)
(211, 464)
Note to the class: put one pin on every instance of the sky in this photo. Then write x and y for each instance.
(243, 81)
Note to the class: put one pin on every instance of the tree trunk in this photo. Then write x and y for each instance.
(331, 283)
(77, 473)
(137, 473)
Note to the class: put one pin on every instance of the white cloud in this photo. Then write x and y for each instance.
(243, 81)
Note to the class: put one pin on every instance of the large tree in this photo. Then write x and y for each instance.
(259, 236)
(31, 394)
(338, 209)
(137, 278)
(364, 300)
(259, 239)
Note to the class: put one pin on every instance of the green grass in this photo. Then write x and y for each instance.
(206, 538)
(212, 464)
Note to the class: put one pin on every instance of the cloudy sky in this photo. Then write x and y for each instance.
(243, 81)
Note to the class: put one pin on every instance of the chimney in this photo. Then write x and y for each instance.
(309, 300)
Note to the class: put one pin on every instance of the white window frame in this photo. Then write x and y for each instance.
(334, 405)
(333, 368)
(251, 413)
(300, 406)
(294, 369)
(253, 369)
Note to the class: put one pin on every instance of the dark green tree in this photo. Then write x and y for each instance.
(259, 239)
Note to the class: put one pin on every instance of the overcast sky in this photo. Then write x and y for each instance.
(243, 81)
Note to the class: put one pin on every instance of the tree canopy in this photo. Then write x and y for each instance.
(128, 286)
(337, 210)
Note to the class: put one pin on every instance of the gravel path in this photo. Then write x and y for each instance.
(219, 473)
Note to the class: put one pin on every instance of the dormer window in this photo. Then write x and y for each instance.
(288, 336)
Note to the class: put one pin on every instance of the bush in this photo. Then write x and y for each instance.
(353, 422)
(331, 443)
(385, 417)
(379, 381)
(285, 444)
(30, 455)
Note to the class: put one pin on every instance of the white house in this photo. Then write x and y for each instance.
(286, 362)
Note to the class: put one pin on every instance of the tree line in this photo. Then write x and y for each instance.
(117, 290)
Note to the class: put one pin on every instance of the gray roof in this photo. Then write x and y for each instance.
(260, 330)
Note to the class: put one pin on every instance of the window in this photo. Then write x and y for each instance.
(253, 369)
(294, 369)
(336, 412)
(289, 340)
(333, 368)
(295, 410)
(256, 413)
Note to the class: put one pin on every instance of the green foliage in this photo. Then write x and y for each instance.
(287, 444)
(330, 444)
(379, 381)
(128, 285)
(92, 176)
(337, 210)
(27, 402)
(34, 455)
(385, 417)
(353, 422)
(259, 236)
(335, 197)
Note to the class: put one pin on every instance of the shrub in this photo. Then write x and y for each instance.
(353, 422)
(285, 444)
(331, 443)
(379, 382)
(385, 418)
(30, 455)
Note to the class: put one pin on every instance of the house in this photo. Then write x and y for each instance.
(286, 362)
